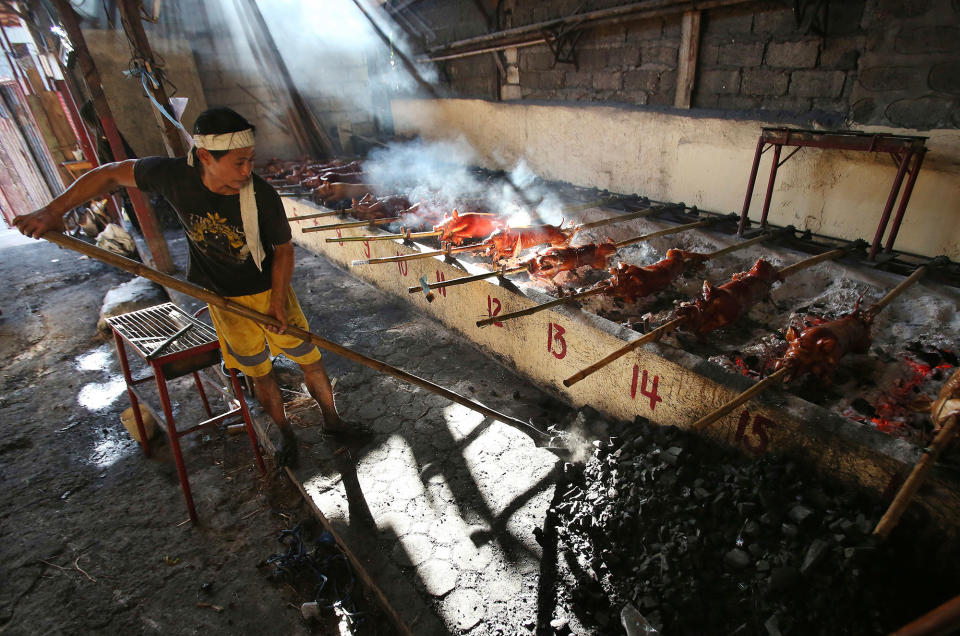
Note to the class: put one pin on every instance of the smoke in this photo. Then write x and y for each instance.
(440, 174)
(335, 55)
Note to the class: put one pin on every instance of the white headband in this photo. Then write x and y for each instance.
(248, 201)
(225, 141)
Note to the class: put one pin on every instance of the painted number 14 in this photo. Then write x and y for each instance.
(645, 390)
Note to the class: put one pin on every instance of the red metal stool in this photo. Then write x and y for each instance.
(174, 344)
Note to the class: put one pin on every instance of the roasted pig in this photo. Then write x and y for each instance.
(370, 207)
(631, 283)
(473, 225)
(720, 306)
(819, 348)
(554, 260)
(508, 242)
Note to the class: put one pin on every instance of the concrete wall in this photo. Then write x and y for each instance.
(703, 161)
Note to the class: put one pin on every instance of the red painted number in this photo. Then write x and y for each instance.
(650, 392)
(340, 235)
(754, 437)
(366, 248)
(403, 266)
(493, 309)
(440, 279)
(555, 342)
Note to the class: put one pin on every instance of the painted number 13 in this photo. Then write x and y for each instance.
(555, 342)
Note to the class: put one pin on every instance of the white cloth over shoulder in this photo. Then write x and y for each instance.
(248, 200)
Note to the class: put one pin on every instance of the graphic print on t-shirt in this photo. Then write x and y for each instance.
(217, 238)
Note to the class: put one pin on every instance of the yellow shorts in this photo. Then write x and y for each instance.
(242, 340)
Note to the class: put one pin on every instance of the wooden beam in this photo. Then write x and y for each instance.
(133, 26)
(687, 58)
(152, 234)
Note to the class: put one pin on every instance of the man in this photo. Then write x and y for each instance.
(240, 247)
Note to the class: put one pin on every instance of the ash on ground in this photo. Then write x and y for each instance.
(699, 539)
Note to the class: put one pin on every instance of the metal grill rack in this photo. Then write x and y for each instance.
(146, 329)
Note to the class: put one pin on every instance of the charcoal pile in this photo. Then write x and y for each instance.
(698, 539)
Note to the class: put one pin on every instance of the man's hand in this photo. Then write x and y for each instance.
(278, 310)
(38, 223)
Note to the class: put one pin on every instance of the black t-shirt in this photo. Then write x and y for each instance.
(219, 257)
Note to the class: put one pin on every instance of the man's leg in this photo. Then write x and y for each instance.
(267, 390)
(318, 384)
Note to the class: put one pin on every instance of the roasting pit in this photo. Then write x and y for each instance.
(673, 385)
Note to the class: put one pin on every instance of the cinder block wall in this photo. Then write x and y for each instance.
(880, 62)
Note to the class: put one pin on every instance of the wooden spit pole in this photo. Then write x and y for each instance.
(917, 476)
(677, 322)
(318, 215)
(467, 279)
(774, 378)
(537, 308)
(656, 334)
(665, 232)
(386, 237)
(349, 224)
(777, 376)
(417, 255)
(209, 297)
(594, 292)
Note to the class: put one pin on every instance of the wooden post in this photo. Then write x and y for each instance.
(687, 58)
(130, 16)
(148, 221)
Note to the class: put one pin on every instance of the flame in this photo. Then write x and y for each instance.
(520, 218)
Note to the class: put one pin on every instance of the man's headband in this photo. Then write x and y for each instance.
(225, 141)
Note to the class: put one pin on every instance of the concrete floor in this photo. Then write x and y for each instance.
(439, 507)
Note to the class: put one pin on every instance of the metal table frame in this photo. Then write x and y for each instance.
(906, 151)
(187, 354)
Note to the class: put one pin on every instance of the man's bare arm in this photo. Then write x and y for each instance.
(91, 185)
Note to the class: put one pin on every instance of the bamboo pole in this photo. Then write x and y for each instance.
(317, 215)
(349, 224)
(417, 255)
(654, 335)
(813, 260)
(668, 231)
(537, 308)
(406, 236)
(209, 297)
(467, 279)
(774, 378)
(917, 476)
(876, 307)
(617, 219)
(940, 621)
